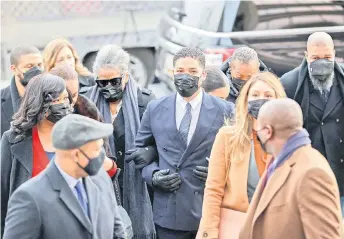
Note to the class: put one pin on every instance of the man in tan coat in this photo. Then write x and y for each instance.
(297, 197)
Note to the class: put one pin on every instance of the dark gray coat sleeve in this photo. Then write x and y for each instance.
(6, 165)
(23, 219)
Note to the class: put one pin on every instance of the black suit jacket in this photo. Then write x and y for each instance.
(9, 96)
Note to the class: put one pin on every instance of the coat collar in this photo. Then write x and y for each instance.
(22, 151)
(265, 192)
(68, 198)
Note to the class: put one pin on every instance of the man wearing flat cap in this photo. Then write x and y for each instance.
(73, 197)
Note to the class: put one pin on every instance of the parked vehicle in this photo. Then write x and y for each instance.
(88, 25)
(277, 31)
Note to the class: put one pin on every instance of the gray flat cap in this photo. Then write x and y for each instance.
(74, 131)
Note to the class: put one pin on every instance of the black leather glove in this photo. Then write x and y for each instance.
(201, 173)
(142, 156)
(165, 181)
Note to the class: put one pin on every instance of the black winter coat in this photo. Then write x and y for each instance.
(325, 123)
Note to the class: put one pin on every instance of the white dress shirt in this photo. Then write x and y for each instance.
(196, 104)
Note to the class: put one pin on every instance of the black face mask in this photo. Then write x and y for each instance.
(57, 112)
(254, 106)
(112, 93)
(321, 69)
(34, 71)
(238, 83)
(186, 84)
(94, 164)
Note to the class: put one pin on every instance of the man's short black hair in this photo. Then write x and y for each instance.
(21, 51)
(191, 52)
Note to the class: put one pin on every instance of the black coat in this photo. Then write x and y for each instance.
(16, 167)
(233, 93)
(325, 123)
(144, 96)
(10, 101)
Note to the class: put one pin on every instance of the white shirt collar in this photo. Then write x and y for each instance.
(195, 102)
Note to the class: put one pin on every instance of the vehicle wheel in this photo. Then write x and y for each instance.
(141, 67)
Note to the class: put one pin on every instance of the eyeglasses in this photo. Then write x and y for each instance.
(117, 81)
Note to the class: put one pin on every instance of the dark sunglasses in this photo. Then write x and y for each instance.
(114, 82)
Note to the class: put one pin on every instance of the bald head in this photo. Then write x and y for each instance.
(320, 46)
(284, 116)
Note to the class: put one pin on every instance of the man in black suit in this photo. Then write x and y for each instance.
(26, 62)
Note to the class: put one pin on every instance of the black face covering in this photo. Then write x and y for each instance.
(112, 93)
(186, 84)
(57, 112)
(34, 71)
(255, 105)
(321, 69)
(94, 164)
(238, 83)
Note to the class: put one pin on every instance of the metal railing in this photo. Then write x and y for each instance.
(252, 34)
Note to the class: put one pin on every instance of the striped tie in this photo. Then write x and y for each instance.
(185, 124)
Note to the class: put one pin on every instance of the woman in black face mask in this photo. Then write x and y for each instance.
(26, 148)
(237, 159)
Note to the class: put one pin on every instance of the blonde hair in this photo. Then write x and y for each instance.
(240, 128)
(52, 50)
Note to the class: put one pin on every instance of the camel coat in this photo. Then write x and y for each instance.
(226, 187)
(300, 200)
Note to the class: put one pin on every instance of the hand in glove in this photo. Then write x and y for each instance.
(165, 181)
(201, 173)
(142, 156)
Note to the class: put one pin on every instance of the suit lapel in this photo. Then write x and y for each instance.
(169, 122)
(67, 196)
(334, 99)
(93, 199)
(276, 181)
(7, 109)
(207, 116)
(22, 151)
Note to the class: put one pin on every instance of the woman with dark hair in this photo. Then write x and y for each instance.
(83, 106)
(26, 148)
(216, 83)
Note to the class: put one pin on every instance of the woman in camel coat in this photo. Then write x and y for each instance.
(237, 159)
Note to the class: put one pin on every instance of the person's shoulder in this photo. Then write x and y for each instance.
(146, 95)
(291, 76)
(157, 103)
(222, 104)
(10, 136)
(311, 159)
(5, 93)
(35, 186)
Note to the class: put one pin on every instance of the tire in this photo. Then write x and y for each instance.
(142, 64)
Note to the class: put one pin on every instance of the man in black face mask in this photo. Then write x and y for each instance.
(26, 62)
(122, 103)
(239, 68)
(64, 199)
(183, 126)
(318, 86)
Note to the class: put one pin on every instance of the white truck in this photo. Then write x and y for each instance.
(88, 25)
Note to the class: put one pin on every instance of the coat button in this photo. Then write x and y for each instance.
(119, 153)
(177, 169)
(337, 120)
(340, 141)
(205, 234)
(322, 123)
(341, 160)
